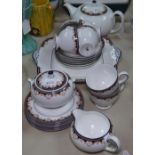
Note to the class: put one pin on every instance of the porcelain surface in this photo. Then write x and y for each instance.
(50, 80)
(104, 91)
(109, 80)
(52, 89)
(91, 132)
(102, 103)
(59, 120)
(114, 89)
(56, 111)
(45, 59)
(105, 74)
(91, 124)
(77, 61)
(97, 14)
(78, 38)
(63, 112)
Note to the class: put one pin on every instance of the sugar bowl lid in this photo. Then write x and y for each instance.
(94, 8)
(51, 80)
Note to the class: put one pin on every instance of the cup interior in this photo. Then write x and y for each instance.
(92, 125)
(102, 77)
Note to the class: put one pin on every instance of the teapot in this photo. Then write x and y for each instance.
(92, 132)
(98, 14)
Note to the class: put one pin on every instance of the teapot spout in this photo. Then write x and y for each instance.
(70, 8)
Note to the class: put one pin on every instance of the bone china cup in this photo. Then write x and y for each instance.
(52, 89)
(78, 38)
(105, 83)
(92, 132)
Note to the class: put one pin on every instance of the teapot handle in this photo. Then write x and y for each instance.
(121, 25)
(30, 82)
(112, 144)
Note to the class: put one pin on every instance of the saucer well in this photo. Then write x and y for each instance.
(51, 123)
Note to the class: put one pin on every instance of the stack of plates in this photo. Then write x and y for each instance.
(52, 119)
(76, 60)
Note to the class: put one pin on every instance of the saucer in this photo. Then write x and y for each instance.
(67, 60)
(51, 123)
(45, 59)
(56, 112)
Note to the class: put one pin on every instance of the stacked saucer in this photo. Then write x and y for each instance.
(76, 59)
(52, 99)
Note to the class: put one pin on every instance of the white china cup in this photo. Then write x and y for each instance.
(91, 132)
(104, 103)
(78, 38)
(104, 84)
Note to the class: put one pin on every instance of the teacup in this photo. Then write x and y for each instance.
(104, 84)
(78, 38)
(92, 132)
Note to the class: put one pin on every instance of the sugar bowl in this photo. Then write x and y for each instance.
(92, 132)
(52, 89)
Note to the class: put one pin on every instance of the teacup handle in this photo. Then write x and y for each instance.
(72, 82)
(119, 13)
(122, 79)
(112, 144)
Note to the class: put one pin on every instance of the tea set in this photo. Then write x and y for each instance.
(79, 52)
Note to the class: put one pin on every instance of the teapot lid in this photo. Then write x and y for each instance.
(94, 8)
(50, 80)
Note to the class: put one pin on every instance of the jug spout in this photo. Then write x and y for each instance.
(78, 113)
(70, 8)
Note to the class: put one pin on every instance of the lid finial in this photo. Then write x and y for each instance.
(94, 1)
(50, 72)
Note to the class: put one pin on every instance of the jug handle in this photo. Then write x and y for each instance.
(121, 25)
(112, 144)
